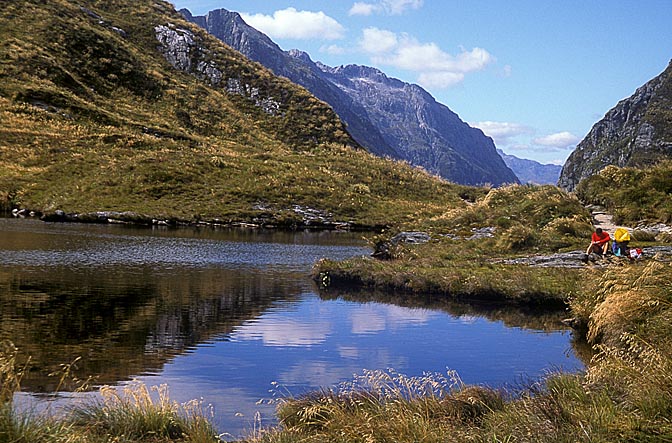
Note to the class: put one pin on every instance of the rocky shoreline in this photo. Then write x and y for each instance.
(303, 218)
(578, 259)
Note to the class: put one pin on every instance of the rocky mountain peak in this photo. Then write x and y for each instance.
(300, 55)
(636, 132)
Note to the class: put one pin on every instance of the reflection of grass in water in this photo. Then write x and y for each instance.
(136, 414)
(58, 314)
(536, 318)
(519, 316)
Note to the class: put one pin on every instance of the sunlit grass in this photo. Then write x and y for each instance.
(139, 413)
(387, 406)
(633, 195)
(135, 413)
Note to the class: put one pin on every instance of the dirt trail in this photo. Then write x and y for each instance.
(604, 220)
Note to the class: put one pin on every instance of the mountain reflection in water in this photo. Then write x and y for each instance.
(221, 314)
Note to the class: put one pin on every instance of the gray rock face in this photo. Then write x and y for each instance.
(424, 132)
(636, 132)
(182, 50)
(386, 116)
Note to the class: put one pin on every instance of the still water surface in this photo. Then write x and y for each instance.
(220, 315)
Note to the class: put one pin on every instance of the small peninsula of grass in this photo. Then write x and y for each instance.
(464, 258)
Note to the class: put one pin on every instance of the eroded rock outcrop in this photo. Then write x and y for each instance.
(183, 50)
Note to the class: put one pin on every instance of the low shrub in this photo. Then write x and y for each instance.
(631, 194)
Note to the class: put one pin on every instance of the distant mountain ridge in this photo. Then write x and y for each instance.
(636, 132)
(530, 171)
(385, 115)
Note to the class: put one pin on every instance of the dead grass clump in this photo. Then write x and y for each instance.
(133, 414)
(143, 414)
(631, 295)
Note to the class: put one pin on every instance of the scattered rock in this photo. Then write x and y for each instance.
(23, 213)
(477, 234)
(414, 237)
(578, 259)
(384, 249)
(574, 259)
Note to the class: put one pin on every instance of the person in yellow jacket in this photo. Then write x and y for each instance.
(621, 239)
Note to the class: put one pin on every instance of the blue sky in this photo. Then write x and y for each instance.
(533, 74)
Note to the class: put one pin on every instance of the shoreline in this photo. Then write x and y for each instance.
(136, 219)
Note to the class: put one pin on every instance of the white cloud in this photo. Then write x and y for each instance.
(390, 7)
(503, 132)
(378, 41)
(360, 8)
(292, 24)
(440, 79)
(435, 67)
(276, 330)
(397, 7)
(333, 49)
(559, 140)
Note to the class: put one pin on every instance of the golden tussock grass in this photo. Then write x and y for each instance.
(134, 413)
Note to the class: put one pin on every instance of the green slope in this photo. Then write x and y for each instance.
(94, 118)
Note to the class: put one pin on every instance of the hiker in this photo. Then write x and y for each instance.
(620, 246)
(599, 242)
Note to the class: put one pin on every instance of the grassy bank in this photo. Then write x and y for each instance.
(464, 279)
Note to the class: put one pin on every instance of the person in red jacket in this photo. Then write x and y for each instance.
(599, 242)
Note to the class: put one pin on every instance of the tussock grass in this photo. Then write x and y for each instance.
(534, 207)
(139, 413)
(386, 405)
(136, 414)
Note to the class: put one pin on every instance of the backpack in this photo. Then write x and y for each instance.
(635, 253)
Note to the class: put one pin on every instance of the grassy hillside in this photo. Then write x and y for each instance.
(93, 118)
